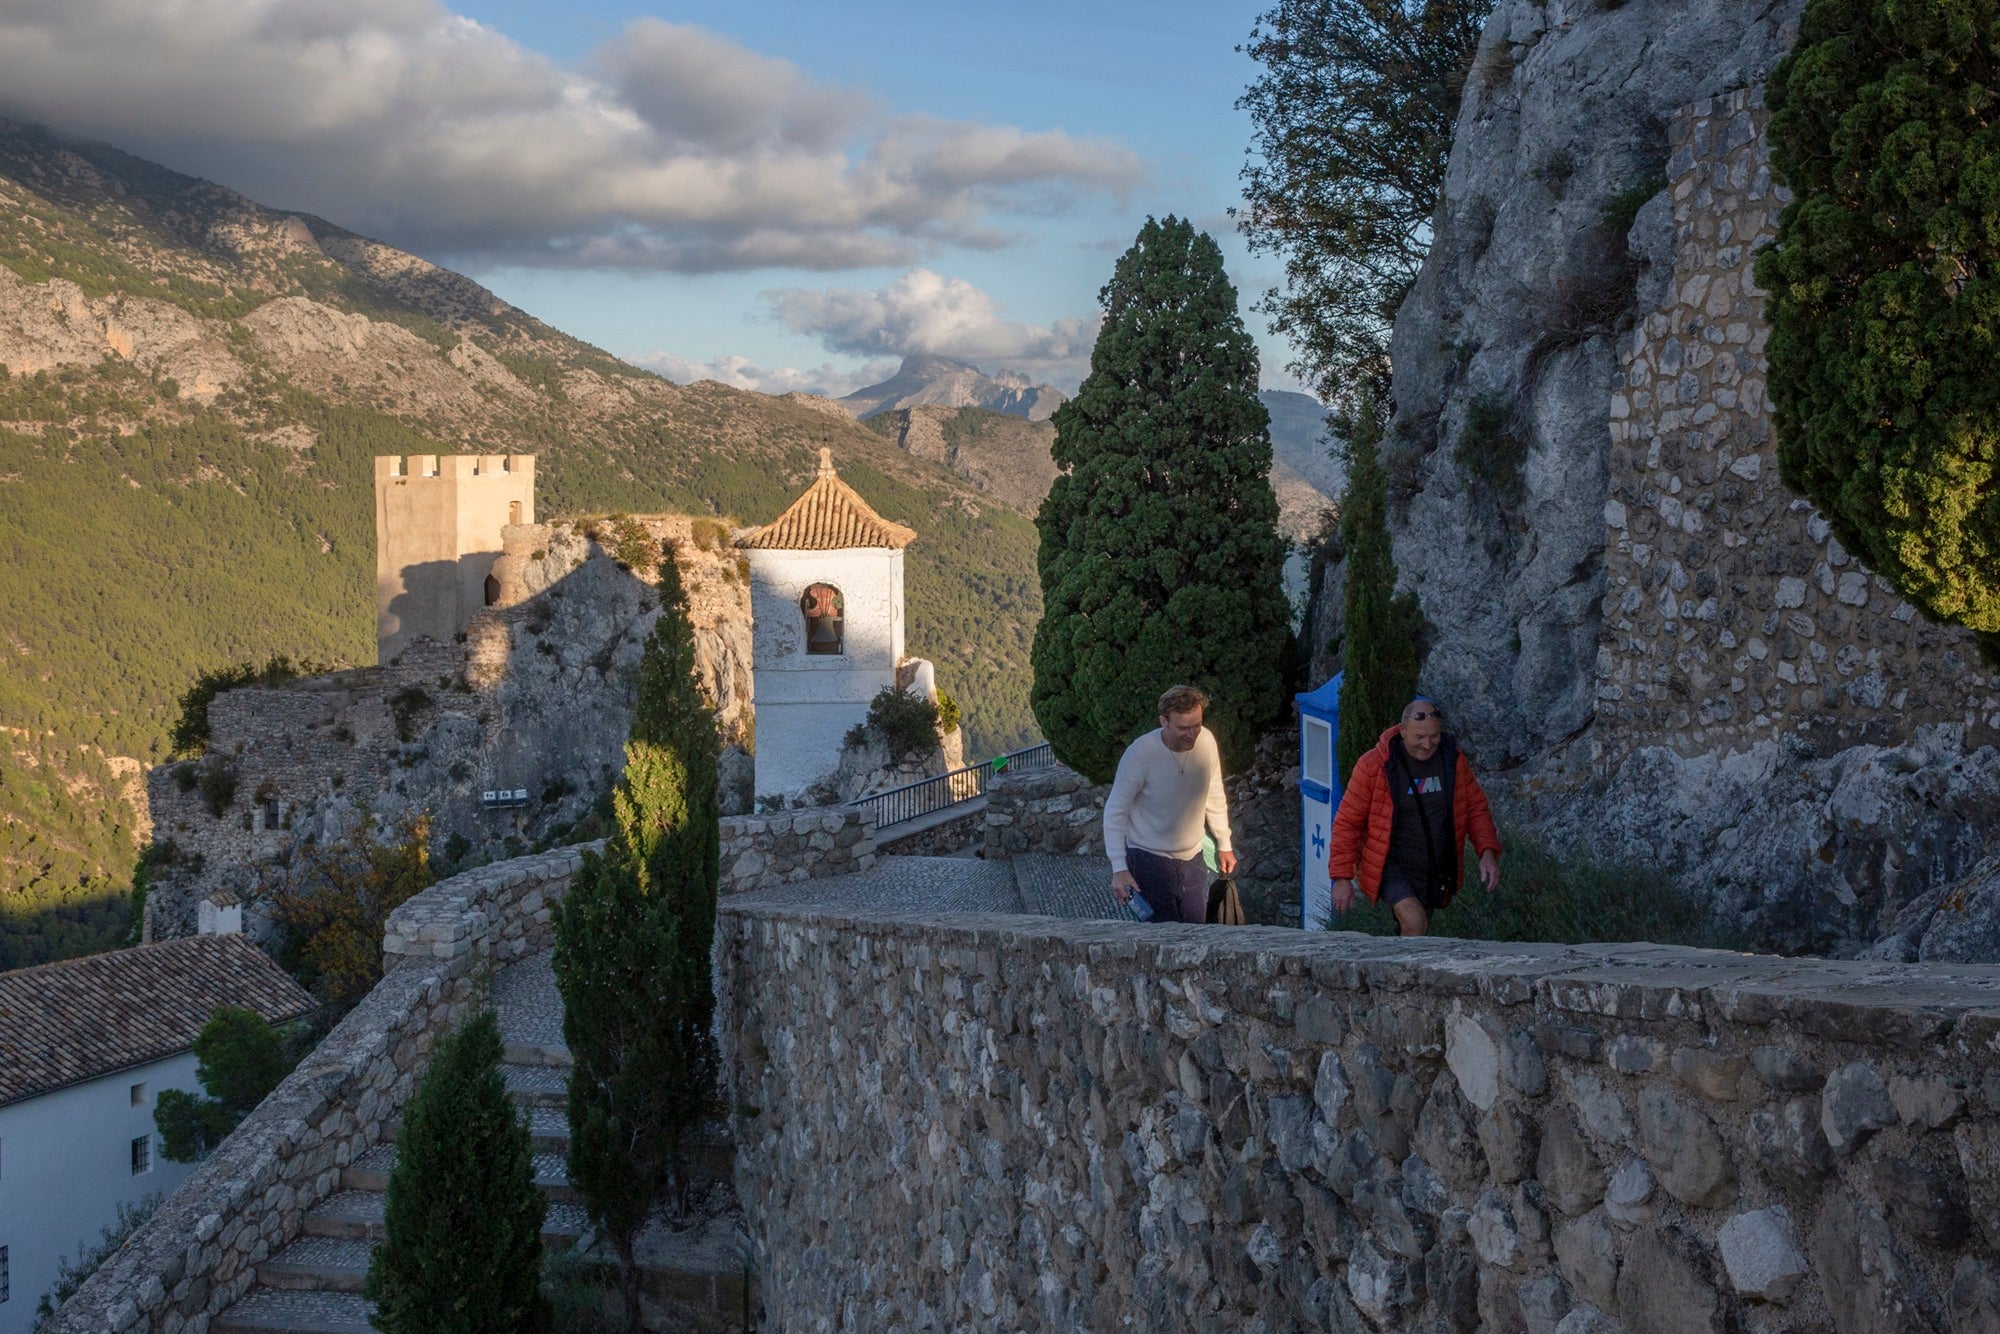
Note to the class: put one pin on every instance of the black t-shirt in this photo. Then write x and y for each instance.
(1410, 782)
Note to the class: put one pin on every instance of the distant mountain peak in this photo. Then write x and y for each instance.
(927, 380)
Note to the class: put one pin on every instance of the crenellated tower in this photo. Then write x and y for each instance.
(437, 534)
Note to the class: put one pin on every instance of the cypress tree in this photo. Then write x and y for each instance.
(462, 1245)
(1884, 283)
(632, 941)
(1160, 556)
(1380, 627)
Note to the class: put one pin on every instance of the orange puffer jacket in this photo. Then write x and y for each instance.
(1360, 845)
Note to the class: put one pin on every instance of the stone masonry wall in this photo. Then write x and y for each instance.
(1731, 612)
(1053, 809)
(765, 851)
(199, 1252)
(1007, 1122)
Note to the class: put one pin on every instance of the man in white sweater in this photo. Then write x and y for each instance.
(1169, 783)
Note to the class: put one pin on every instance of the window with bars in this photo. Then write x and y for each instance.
(6, 1279)
(142, 1155)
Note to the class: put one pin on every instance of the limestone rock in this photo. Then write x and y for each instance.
(1665, 1287)
(1474, 1058)
(1588, 1256)
(1975, 1297)
(1760, 1252)
(1629, 1198)
(1568, 1167)
(1788, 1143)
(1686, 1150)
(1854, 1106)
(1869, 1287)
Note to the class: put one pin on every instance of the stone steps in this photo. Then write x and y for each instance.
(313, 1286)
(273, 1311)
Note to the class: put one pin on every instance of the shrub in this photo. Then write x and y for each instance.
(1569, 899)
(218, 785)
(461, 1250)
(406, 706)
(90, 1256)
(240, 1059)
(907, 722)
(189, 737)
(1492, 451)
(947, 714)
(334, 901)
(1884, 282)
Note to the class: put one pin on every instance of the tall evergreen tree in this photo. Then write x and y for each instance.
(1160, 557)
(462, 1231)
(1381, 628)
(632, 955)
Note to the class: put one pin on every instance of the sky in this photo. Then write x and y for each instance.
(772, 193)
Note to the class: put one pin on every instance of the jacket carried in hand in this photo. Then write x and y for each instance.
(1360, 846)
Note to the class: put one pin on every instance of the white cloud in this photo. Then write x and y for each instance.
(924, 312)
(673, 148)
(739, 372)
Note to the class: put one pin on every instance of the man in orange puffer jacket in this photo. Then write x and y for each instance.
(1410, 807)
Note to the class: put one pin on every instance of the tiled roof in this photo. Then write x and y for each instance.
(62, 1023)
(828, 517)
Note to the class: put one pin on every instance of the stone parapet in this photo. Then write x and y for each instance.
(785, 847)
(1053, 809)
(200, 1251)
(1009, 1122)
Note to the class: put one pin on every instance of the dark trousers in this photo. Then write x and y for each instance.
(1178, 890)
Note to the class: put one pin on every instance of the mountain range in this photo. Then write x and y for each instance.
(954, 413)
(191, 389)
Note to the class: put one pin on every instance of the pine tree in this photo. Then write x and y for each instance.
(632, 955)
(1160, 556)
(462, 1244)
(1381, 629)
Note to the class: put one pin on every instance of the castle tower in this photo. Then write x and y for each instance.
(437, 533)
(826, 609)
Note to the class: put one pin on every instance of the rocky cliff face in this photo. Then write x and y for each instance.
(1506, 350)
(944, 383)
(1659, 653)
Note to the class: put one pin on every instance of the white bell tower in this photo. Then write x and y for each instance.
(826, 609)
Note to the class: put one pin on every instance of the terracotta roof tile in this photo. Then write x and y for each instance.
(62, 1023)
(830, 516)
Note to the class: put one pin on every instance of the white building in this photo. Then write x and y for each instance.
(826, 610)
(86, 1046)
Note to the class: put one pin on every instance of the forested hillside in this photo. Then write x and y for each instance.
(191, 389)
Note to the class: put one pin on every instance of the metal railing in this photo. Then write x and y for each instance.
(915, 800)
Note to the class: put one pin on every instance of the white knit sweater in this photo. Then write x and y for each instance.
(1160, 799)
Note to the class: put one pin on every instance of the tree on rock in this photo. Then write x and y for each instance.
(1160, 556)
(1381, 628)
(462, 1230)
(1884, 284)
(632, 940)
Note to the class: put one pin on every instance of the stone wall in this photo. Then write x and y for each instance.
(1005, 1122)
(786, 847)
(1731, 612)
(1053, 809)
(199, 1252)
(940, 840)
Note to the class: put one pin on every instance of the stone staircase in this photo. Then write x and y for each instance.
(693, 1279)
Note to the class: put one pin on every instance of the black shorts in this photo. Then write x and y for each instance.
(1399, 884)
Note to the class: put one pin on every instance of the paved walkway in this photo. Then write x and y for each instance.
(1037, 884)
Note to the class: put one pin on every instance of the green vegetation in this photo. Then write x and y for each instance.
(189, 737)
(240, 1059)
(1884, 284)
(632, 940)
(1381, 629)
(1353, 115)
(152, 539)
(1160, 554)
(1569, 899)
(461, 1249)
(333, 901)
(70, 1273)
(907, 723)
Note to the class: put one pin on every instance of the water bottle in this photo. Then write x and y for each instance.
(1140, 908)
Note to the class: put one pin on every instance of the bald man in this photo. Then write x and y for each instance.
(1411, 805)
